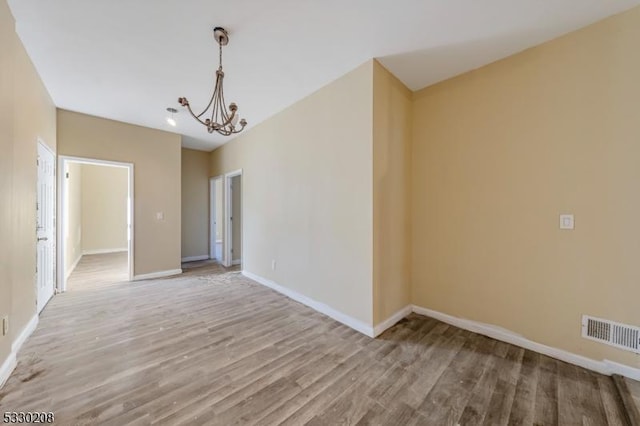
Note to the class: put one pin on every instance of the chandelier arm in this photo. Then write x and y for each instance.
(216, 103)
(213, 95)
(195, 116)
(216, 108)
(225, 115)
(240, 129)
(223, 108)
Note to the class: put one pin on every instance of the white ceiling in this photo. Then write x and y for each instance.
(129, 60)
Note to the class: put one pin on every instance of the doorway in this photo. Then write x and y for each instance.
(216, 228)
(45, 226)
(233, 218)
(96, 233)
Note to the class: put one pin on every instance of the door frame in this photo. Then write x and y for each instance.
(228, 230)
(213, 219)
(41, 142)
(62, 198)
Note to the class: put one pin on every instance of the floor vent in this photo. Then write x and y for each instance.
(611, 333)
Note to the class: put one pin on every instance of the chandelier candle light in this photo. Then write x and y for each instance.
(221, 120)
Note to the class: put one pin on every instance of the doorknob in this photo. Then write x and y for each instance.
(43, 239)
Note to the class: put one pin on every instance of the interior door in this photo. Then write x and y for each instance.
(236, 219)
(216, 222)
(45, 223)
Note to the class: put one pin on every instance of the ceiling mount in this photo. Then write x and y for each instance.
(221, 35)
(172, 110)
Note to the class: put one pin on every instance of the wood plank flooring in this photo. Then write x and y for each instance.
(634, 387)
(98, 270)
(212, 347)
(629, 391)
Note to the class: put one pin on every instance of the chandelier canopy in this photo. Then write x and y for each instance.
(220, 119)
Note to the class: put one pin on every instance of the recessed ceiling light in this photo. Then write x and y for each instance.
(170, 120)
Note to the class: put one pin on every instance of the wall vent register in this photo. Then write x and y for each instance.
(611, 333)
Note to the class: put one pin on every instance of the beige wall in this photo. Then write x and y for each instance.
(195, 203)
(105, 190)
(307, 194)
(156, 158)
(499, 153)
(7, 109)
(26, 114)
(391, 194)
(73, 207)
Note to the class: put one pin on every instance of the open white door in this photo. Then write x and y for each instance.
(216, 233)
(45, 222)
(233, 219)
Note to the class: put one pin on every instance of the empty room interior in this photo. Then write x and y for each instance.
(323, 213)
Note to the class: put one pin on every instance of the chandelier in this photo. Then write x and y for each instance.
(220, 119)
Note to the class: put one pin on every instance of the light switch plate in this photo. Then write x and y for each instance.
(566, 221)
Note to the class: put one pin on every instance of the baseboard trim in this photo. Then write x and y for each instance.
(73, 267)
(10, 363)
(7, 368)
(24, 334)
(314, 304)
(392, 320)
(105, 251)
(622, 370)
(195, 258)
(159, 274)
(604, 367)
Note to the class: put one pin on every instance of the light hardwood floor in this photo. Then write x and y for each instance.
(212, 347)
(98, 270)
(633, 387)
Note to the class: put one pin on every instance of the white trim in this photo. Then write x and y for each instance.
(604, 367)
(392, 320)
(24, 334)
(7, 368)
(72, 267)
(10, 363)
(104, 251)
(212, 216)
(236, 262)
(621, 369)
(159, 274)
(345, 319)
(195, 258)
(228, 232)
(56, 172)
(62, 275)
